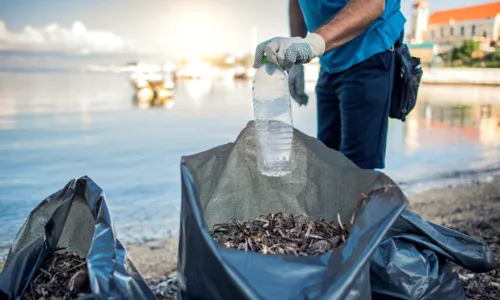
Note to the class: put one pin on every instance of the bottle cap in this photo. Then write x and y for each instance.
(265, 59)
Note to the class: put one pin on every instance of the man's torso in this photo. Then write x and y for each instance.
(380, 36)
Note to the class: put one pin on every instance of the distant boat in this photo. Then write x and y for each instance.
(154, 79)
(153, 87)
(241, 73)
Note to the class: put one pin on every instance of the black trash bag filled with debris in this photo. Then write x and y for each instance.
(77, 220)
(416, 261)
(223, 184)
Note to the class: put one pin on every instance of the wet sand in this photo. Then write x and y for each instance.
(154, 259)
(472, 209)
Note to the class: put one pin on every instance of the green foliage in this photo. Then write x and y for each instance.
(465, 51)
(495, 56)
(493, 64)
(466, 56)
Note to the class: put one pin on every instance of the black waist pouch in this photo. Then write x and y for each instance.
(406, 82)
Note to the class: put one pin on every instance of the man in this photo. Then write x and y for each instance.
(355, 41)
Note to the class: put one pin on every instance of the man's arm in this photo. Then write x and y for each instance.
(350, 22)
(296, 19)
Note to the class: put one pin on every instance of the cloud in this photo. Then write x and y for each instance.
(54, 38)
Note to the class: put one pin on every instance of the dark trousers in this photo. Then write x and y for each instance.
(353, 109)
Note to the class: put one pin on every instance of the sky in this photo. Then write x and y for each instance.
(51, 32)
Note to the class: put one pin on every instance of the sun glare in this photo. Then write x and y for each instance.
(194, 31)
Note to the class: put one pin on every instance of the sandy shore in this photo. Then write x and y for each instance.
(461, 208)
(449, 206)
(475, 211)
(154, 259)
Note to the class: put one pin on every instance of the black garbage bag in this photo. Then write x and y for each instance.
(223, 184)
(76, 218)
(417, 258)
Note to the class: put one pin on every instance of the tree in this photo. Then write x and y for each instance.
(466, 51)
(494, 59)
(465, 54)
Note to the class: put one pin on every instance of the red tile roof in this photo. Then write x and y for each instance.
(483, 11)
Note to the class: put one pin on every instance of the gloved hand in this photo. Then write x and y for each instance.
(288, 51)
(296, 85)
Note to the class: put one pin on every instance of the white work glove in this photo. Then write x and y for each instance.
(296, 85)
(288, 51)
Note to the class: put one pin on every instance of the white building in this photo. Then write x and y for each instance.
(453, 26)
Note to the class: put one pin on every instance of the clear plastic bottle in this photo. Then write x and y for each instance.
(273, 120)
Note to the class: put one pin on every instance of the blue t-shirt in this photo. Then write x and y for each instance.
(381, 36)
